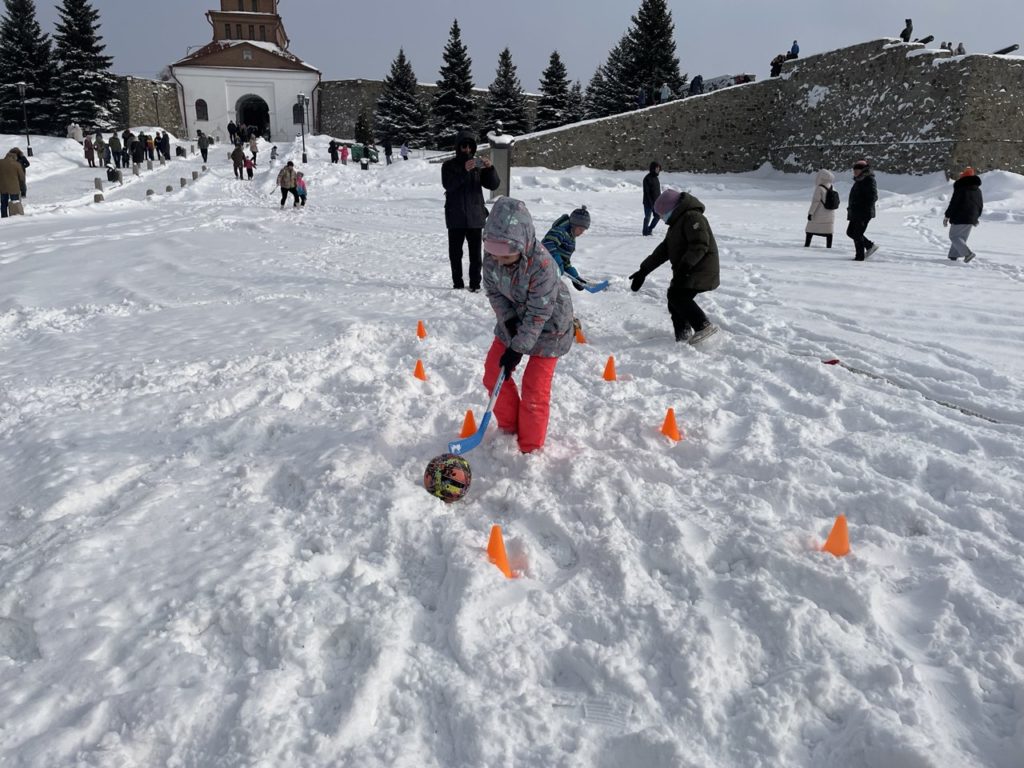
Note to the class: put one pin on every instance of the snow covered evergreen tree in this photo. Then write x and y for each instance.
(576, 109)
(363, 129)
(26, 56)
(614, 87)
(453, 108)
(554, 95)
(400, 114)
(87, 89)
(506, 100)
(652, 59)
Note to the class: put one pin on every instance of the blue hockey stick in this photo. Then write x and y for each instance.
(467, 444)
(589, 287)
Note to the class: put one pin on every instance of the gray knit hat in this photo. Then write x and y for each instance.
(580, 218)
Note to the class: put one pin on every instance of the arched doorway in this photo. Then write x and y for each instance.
(252, 110)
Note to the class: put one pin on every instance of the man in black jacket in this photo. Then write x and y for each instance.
(963, 213)
(860, 209)
(464, 178)
(652, 188)
(907, 31)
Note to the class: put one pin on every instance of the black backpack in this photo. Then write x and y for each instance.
(831, 201)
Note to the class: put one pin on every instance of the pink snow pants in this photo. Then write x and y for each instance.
(524, 415)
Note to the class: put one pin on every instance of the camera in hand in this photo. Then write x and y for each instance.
(478, 162)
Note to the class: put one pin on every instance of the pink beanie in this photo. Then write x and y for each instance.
(666, 202)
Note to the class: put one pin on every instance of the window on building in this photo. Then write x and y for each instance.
(241, 5)
(263, 33)
(202, 111)
(247, 54)
(255, 6)
(297, 115)
(252, 32)
(238, 31)
(227, 31)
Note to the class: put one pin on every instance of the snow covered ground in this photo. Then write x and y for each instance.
(216, 550)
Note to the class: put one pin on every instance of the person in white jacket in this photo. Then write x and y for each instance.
(820, 220)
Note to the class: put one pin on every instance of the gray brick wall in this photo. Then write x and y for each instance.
(907, 109)
(341, 101)
(139, 106)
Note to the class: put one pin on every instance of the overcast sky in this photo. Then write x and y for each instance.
(712, 38)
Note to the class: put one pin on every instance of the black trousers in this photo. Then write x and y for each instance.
(284, 195)
(205, 152)
(684, 310)
(455, 239)
(855, 231)
(809, 235)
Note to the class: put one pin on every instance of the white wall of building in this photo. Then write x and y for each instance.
(223, 87)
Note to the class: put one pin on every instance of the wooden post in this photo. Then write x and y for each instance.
(195, 175)
(184, 182)
(98, 197)
(98, 183)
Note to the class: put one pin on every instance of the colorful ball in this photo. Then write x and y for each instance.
(448, 477)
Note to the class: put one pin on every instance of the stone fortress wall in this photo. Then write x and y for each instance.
(906, 108)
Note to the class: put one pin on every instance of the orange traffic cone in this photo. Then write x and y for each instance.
(496, 551)
(838, 542)
(669, 428)
(609, 369)
(580, 338)
(421, 331)
(418, 372)
(468, 424)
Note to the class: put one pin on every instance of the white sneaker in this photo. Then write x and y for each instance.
(969, 257)
(708, 330)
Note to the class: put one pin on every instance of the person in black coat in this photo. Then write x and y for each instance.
(962, 213)
(464, 178)
(907, 31)
(860, 209)
(232, 130)
(652, 189)
(332, 150)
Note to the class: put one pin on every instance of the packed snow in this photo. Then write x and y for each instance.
(216, 548)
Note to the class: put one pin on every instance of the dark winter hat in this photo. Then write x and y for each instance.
(290, 163)
(465, 137)
(667, 202)
(861, 164)
(580, 218)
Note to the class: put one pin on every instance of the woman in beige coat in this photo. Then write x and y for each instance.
(820, 220)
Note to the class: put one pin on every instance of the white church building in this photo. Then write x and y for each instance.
(246, 75)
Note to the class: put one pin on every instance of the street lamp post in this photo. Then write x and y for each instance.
(24, 113)
(302, 107)
(156, 103)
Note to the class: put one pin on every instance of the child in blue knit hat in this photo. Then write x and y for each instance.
(560, 242)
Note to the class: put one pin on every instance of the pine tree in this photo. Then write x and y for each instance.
(87, 88)
(575, 110)
(453, 108)
(506, 100)
(554, 95)
(26, 56)
(614, 87)
(363, 129)
(400, 114)
(653, 58)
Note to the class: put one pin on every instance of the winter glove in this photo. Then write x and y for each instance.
(578, 283)
(809, 217)
(637, 281)
(512, 326)
(509, 360)
(945, 222)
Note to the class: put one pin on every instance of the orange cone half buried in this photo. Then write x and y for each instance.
(838, 542)
(669, 429)
(580, 338)
(609, 369)
(421, 331)
(468, 424)
(496, 551)
(418, 372)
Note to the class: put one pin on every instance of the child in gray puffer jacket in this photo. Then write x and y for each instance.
(534, 317)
